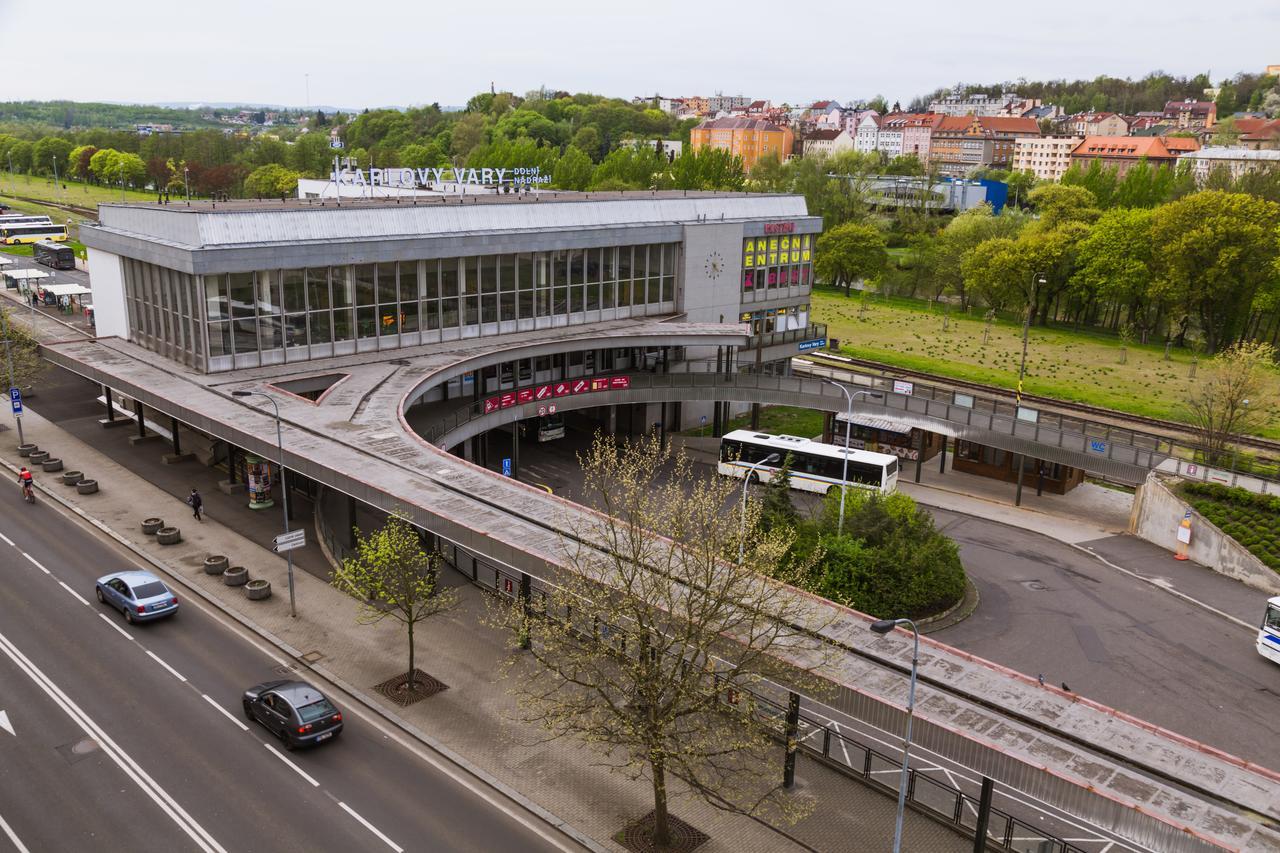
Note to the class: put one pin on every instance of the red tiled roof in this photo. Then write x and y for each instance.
(823, 135)
(737, 123)
(1134, 147)
(1180, 144)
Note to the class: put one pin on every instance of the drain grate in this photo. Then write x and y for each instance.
(313, 656)
(638, 836)
(397, 688)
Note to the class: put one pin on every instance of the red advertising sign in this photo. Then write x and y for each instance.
(580, 385)
(599, 384)
(491, 405)
(524, 395)
(507, 400)
(561, 388)
(779, 227)
(620, 383)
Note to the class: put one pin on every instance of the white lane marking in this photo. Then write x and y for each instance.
(7, 541)
(35, 562)
(13, 836)
(78, 596)
(122, 759)
(221, 710)
(5, 724)
(172, 671)
(371, 827)
(296, 769)
(107, 619)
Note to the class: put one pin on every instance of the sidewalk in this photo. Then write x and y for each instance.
(473, 718)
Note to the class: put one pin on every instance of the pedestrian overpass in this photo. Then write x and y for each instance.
(346, 425)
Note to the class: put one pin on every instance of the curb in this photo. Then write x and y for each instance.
(957, 613)
(295, 655)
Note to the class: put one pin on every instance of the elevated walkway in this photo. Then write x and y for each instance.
(1153, 789)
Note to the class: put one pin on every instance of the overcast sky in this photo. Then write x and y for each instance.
(398, 52)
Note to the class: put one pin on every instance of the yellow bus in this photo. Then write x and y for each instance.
(31, 232)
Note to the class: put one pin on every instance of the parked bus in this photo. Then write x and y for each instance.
(1269, 633)
(815, 467)
(31, 232)
(20, 218)
(550, 427)
(54, 255)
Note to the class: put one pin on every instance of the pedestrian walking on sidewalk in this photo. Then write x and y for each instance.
(196, 503)
(35, 298)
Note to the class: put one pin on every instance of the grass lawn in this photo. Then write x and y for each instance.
(780, 420)
(26, 250)
(1080, 366)
(68, 192)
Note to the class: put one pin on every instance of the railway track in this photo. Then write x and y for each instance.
(87, 212)
(1166, 428)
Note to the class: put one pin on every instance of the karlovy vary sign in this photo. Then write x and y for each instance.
(406, 178)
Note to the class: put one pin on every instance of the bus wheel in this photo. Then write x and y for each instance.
(834, 490)
(753, 477)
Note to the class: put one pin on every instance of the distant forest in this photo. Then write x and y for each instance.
(1111, 94)
(77, 115)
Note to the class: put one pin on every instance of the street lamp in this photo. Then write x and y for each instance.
(1036, 279)
(882, 627)
(742, 515)
(284, 485)
(186, 183)
(848, 427)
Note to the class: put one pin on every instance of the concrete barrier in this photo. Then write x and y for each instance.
(1157, 513)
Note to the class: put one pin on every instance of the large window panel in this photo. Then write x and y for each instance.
(488, 266)
(387, 284)
(470, 280)
(366, 322)
(319, 324)
(295, 290)
(506, 306)
(489, 308)
(507, 272)
(449, 313)
(624, 263)
(269, 332)
(295, 330)
(524, 271)
(342, 327)
(525, 304)
(409, 316)
(342, 287)
(241, 284)
(470, 310)
(608, 294)
(268, 291)
(640, 263)
(430, 315)
(431, 279)
(244, 335)
(219, 338)
(449, 277)
(365, 286)
(318, 288)
(577, 266)
(559, 268)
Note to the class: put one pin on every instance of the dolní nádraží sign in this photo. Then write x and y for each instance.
(406, 178)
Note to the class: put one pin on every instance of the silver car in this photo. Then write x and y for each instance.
(141, 596)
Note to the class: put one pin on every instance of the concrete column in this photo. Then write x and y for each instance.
(1017, 495)
(919, 452)
(1039, 478)
(942, 457)
(111, 405)
(137, 410)
(351, 522)
(177, 443)
(515, 451)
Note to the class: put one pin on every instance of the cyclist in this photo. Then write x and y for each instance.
(26, 481)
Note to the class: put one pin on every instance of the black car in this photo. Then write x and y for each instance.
(293, 711)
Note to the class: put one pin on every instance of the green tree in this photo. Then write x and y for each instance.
(468, 132)
(48, 151)
(629, 168)
(1114, 264)
(707, 169)
(417, 156)
(587, 139)
(1020, 186)
(1216, 252)
(1226, 101)
(961, 236)
(19, 156)
(271, 181)
(27, 363)
(849, 252)
(391, 575)
(311, 155)
(574, 170)
(1097, 179)
(1059, 204)
(777, 508)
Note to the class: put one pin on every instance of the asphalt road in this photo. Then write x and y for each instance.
(132, 737)
(1047, 608)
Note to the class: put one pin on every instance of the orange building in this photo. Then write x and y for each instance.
(749, 138)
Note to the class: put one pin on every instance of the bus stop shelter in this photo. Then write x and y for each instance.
(22, 278)
(74, 294)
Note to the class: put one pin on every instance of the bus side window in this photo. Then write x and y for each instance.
(730, 451)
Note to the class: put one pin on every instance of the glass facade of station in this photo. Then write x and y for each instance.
(232, 320)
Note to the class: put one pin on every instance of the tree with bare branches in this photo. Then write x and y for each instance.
(1233, 397)
(658, 649)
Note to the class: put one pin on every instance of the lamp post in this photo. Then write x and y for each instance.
(186, 183)
(742, 514)
(284, 485)
(848, 427)
(882, 627)
(1036, 279)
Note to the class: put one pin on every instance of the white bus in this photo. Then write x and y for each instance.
(31, 232)
(815, 467)
(1269, 633)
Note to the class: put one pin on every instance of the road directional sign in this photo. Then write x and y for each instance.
(289, 541)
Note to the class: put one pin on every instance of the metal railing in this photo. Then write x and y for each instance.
(812, 332)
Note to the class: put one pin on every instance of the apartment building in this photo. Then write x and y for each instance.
(960, 144)
(1191, 115)
(1122, 153)
(977, 104)
(911, 133)
(826, 141)
(1095, 124)
(1045, 157)
(749, 138)
(1236, 160)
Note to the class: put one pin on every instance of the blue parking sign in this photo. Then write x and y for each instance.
(15, 399)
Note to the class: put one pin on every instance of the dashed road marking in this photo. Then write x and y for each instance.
(296, 769)
(371, 827)
(172, 671)
(107, 619)
(36, 563)
(78, 596)
(221, 710)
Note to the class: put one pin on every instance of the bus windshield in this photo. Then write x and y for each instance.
(1271, 622)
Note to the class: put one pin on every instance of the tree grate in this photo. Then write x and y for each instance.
(638, 836)
(396, 687)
